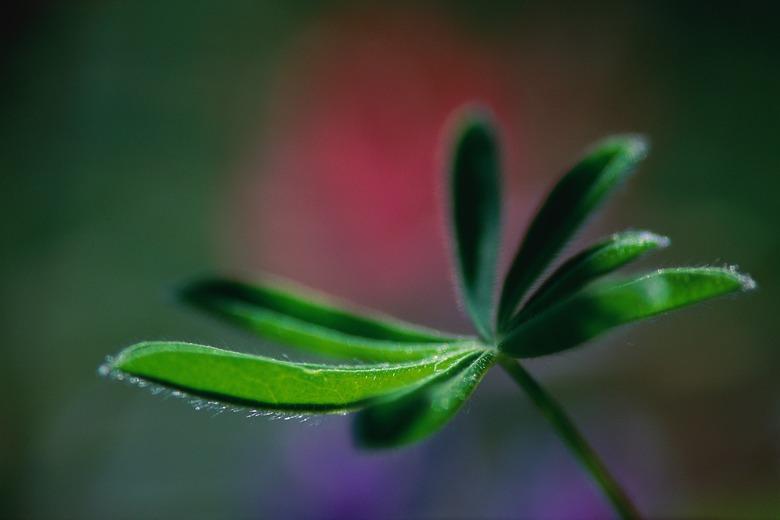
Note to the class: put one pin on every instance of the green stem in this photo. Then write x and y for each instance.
(572, 438)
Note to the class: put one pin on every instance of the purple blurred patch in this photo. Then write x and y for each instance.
(326, 477)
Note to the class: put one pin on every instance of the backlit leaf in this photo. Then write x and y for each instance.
(270, 384)
(601, 307)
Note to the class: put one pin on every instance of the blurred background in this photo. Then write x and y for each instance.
(145, 142)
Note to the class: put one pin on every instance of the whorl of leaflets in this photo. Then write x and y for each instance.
(407, 381)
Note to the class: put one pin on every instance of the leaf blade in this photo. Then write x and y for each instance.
(271, 384)
(312, 322)
(475, 212)
(420, 412)
(595, 261)
(572, 199)
(596, 309)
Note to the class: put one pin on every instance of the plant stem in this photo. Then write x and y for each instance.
(572, 438)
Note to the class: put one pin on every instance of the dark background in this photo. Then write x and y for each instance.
(143, 142)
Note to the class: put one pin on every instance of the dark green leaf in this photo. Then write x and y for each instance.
(412, 415)
(601, 307)
(270, 384)
(311, 322)
(583, 268)
(476, 215)
(570, 202)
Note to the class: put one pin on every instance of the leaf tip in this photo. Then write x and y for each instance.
(729, 276)
(473, 122)
(635, 146)
(473, 113)
(115, 366)
(747, 282)
(628, 149)
(192, 291)
(111, 368)
(105, 368)
(654, 239)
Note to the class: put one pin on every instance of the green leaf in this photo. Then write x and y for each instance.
(311, 322)
(270, 384)
(412, 415)
(570, 202)
(600, 307)
(583, 268)
(475, 207)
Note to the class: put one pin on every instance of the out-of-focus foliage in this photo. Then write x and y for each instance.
(475, 204)
(574, 198)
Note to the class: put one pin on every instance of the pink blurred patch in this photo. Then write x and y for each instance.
(345, 193)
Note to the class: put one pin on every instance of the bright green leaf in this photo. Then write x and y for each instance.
(601, 307)
(475, 193)
(270, 384)
(567, 206)
(415, 414)
(311, 322)
(583, 268)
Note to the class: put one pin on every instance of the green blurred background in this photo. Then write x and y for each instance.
(144, 142)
